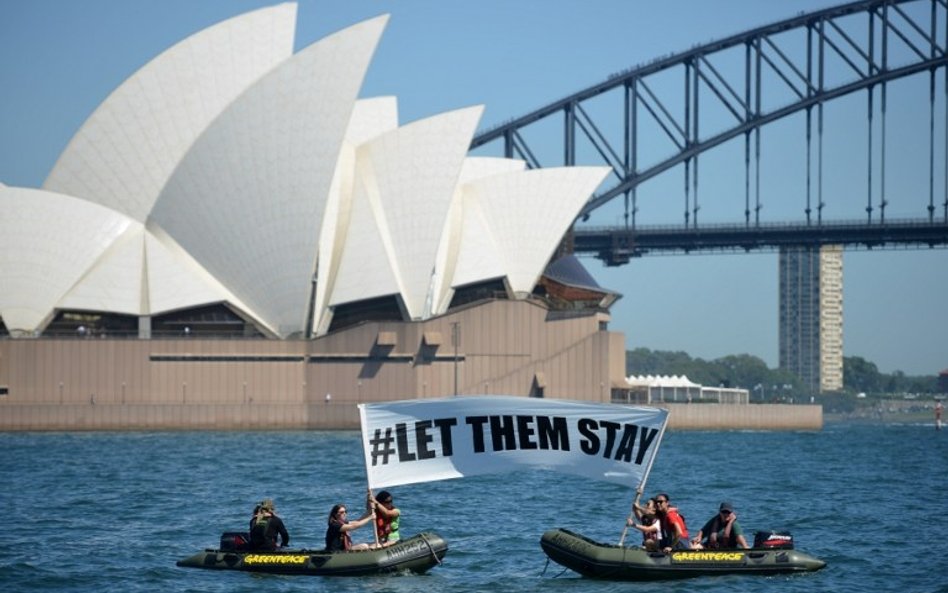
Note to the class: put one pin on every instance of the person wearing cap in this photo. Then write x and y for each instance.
(722, 531)
(265, 526)
(387, 518)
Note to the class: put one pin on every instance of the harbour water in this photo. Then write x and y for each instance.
(114, 511)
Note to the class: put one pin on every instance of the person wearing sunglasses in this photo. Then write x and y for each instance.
(722, 531)
(387, 518)
(674, 529)
(339, 526)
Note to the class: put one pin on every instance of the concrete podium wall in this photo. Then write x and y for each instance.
(344, 416)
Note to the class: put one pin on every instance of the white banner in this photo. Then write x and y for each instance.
(436, 439)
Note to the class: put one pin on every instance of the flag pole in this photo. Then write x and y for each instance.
(641, 487)
(368, 482)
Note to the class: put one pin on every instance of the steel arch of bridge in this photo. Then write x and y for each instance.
(867, 59)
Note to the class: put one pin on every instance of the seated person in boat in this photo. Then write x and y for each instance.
(387, 518)
(674, 529)
(265, 526)
(649, 526)
(721, 531)
(337, 531)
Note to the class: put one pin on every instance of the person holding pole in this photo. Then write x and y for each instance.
(339, 526)
(649, 526)
(387, 519)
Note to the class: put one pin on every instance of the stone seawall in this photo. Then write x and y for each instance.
(344, 416)
(744, 417)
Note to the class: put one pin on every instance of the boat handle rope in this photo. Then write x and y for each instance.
(545, 566)
(430, 549)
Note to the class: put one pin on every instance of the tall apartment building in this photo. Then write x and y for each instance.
(811, 315)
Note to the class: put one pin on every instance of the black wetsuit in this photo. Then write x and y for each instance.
(263, 535)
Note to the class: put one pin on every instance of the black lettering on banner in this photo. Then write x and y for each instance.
(422, 438)
(525, 431)
(624, 451)
(477, 426)
(587, 426)
(553, 432)
(502, 433)
(445, 424)
(611, 428)
(645, 441)
(381, 446)
(401, 440)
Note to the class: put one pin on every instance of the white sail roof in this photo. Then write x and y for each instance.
(48, 242)
(123, 155)
(254, 185)
(408, 176)
(370, 118)
(526, 214)
(228, 170)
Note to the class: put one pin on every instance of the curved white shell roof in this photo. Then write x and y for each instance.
(408, 177)
(49, 241)
(229, 171)
(254, 185)
(527, 213)
(125, 152)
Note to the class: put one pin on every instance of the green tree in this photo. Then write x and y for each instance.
(860, 375)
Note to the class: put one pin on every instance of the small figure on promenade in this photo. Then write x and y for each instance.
(939, 408)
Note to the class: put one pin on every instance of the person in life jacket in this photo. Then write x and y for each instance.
(674, 529)
(387, 518)
(339, 526)
(265, 526)
(721, 531)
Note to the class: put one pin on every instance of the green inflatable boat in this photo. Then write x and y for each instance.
(605, 561)
(415, 554)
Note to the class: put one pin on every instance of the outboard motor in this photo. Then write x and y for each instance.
(782, 540)
(234, 541)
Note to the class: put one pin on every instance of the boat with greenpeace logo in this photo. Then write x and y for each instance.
(416, 554)
(773, 553)
(424, 440)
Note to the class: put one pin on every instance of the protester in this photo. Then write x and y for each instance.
(721, 531)
(649, 526)
(265, 526)
(674, 529)
(387, 518)
(337, 531)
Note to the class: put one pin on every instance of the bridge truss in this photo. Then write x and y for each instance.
(860, 46)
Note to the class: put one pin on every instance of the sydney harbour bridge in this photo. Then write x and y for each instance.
(667, 117)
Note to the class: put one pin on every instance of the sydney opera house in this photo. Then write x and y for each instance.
(234, 238)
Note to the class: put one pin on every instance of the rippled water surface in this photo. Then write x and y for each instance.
(114, 511)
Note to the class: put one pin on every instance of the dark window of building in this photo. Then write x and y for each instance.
(491, 289)
(91, 324)
(212, 321)
(380, 309)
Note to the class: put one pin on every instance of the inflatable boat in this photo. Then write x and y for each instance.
(605, 561)
(415, 554)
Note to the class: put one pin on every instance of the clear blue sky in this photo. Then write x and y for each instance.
(60, 58)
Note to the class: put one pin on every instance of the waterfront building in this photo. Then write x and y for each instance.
(660, 389)
(811, 315)
(235, 237)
